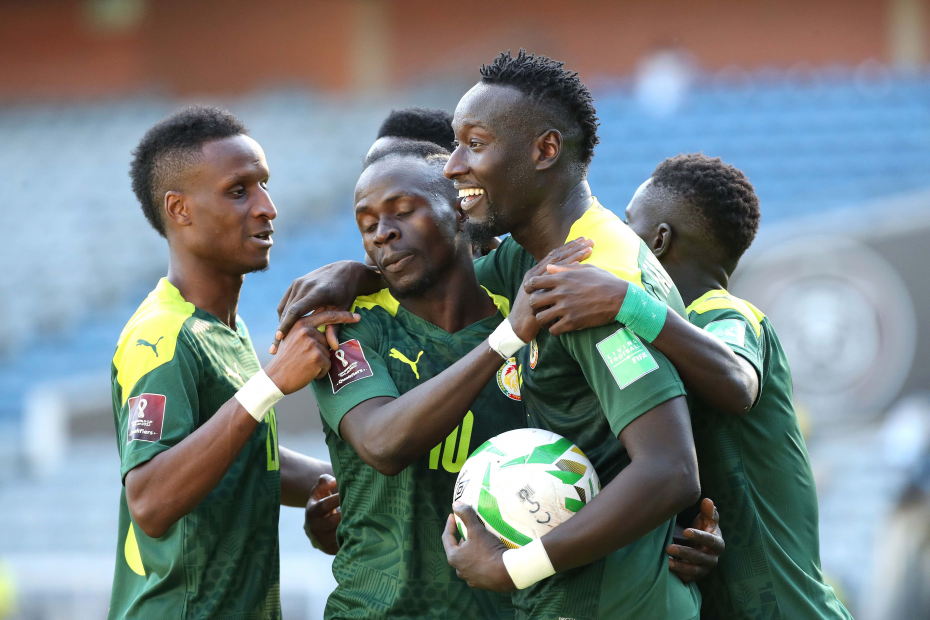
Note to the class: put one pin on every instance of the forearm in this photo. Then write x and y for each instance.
(645, 495)
(164, 489)
(403, 429)
(707, 366)
(299, 476)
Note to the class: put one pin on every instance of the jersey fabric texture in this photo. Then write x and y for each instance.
(756, 469)
(588, 386)
(174, 366)
(391, 563)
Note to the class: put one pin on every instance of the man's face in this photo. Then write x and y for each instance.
(492, 165)
(641, 217)
(409, 227)
(231, 210)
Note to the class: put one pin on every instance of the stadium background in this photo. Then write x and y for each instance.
(825, 104)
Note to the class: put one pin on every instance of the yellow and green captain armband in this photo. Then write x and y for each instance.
(642, 313)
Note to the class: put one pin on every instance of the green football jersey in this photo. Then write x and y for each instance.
(391, 563)
(174, 366)
(756, 469)
(587, 386)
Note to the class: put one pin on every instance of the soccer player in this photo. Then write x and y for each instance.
(699, 215)
(526, 134)
(195, 425)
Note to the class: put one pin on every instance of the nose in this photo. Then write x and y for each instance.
(387, 231)
(456, 165)
(264, 207)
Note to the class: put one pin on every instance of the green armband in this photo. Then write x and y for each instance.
(642, 313)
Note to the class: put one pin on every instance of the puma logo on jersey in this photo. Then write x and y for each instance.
(145, 343)
(233, 373)
(413, 365)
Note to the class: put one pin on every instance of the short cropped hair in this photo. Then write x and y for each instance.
(170, 147)
(421, 124)
(545, 82)
(429, 152)
(721, 196)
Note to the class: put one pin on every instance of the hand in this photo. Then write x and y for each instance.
(704, 548)
(522, 315)
(336, 286)
(573, 297)
(323, 515)
(478, 560)
(304, 353)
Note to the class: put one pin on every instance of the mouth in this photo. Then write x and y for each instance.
(263, 238)
(470, 197)
(397, 261)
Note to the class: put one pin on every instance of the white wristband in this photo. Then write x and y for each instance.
(259, 395)
(505, 341)
(528, 564)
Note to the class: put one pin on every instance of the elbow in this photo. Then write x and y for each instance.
(741, 396)
(147, 518)
(686, 483)
(384, 457)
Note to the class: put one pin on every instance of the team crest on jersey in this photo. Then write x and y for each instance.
(534, 354)
(508, 380)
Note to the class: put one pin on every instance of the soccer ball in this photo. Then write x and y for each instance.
(525, 482)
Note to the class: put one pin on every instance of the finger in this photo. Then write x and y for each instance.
(323, 507)
(468, 516)
(328, 317)
(332, 337)
(686, 572)
(709, 511)
(285, 300)
(543, 282)
(543, 299)
(550, 315)
(564, 268)
(700, 538)
(293, 313)
(326, 482)
(693, 556)
(449, 541)
(325, 525)
(574, 257)
(562, 326)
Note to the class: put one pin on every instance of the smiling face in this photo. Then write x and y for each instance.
(493, 164)
(224, 212)
(409, 222)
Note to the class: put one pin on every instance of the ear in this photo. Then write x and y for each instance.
(548, 149)
(662, 242)
(177, 208)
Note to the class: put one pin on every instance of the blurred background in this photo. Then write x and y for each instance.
(825, 104)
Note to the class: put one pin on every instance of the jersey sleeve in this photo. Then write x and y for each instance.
(161, 409)
(737, 332)
(501, 271)
(629, 376)
(357, 372)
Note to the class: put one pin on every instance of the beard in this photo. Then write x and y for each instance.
(414, 289)
(481, 233)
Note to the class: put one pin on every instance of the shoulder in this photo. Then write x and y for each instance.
(721, 305)
(151, 337)
(616, 247)
(377, 311)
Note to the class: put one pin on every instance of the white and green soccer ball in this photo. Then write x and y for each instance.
(525, 482)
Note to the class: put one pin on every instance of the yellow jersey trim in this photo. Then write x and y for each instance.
(131, 552)
(616, 246)
(151, 335)
(722, 300)
(384, 299)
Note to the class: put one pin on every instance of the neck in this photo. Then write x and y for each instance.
(548, 225)
(205, 286)
(454, 302)
(693, 279)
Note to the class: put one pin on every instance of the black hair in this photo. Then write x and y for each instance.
(545, 82)
(431, 153)
(723, 199)
(421, 124)
(171, 146)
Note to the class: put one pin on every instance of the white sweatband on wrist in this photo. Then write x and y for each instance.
(528, 564)
(505, 341)
(259, 395)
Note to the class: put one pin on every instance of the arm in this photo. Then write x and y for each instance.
(165, 488)
(661, 480)
(702, 547)
(300, 475)
(578, 297)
